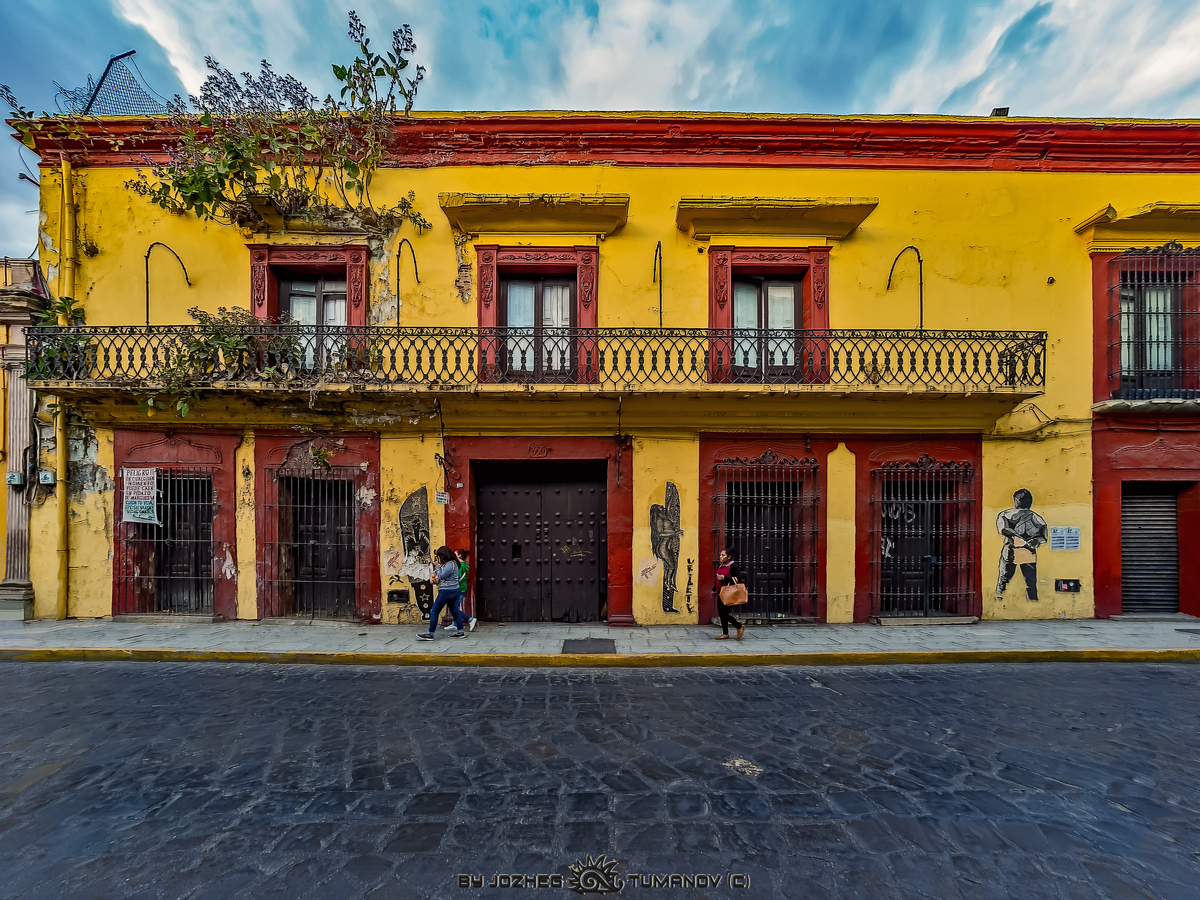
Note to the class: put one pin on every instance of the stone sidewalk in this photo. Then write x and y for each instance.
(542, 644)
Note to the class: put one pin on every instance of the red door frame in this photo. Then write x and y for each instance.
(350, 449)
(166, 448)
(870, 452)
(460, 515)
(716, 447)
(1144, 450)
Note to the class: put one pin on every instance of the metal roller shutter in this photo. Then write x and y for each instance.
(1149, 554)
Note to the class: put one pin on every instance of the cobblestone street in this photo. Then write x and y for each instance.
(209, 780)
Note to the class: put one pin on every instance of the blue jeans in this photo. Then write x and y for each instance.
(451, 598)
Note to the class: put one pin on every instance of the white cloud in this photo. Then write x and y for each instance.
(637, 54)
(938, 71)
(237, 35)
(1102, 58)
(164, 25)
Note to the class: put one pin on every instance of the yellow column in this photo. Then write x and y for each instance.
(657, 462)
(840, 536)
(246, 530)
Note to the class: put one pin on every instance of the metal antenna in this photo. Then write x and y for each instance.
(920, 283)
(177, 259)
(656, 274)
(413, 254)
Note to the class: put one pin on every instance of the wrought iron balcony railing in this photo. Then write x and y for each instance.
(299, 356)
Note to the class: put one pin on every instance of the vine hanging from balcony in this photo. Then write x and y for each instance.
(253, 150)
(229, 345)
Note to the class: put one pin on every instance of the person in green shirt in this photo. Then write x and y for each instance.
(464, 568)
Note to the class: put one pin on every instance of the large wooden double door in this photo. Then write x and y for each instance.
(541, 543)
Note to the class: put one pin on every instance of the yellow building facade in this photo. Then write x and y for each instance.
(860, 353)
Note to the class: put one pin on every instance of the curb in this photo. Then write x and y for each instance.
(627, 660)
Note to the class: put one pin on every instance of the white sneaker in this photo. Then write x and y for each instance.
(449, 627)
(471, 623)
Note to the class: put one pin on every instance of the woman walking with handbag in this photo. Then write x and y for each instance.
(730, 592)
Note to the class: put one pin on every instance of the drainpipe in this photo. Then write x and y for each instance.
(66, 288)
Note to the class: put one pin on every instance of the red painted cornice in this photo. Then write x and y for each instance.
(682, 139)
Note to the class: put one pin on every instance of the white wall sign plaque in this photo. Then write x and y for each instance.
(139, 496)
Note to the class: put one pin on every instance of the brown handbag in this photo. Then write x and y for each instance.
(735, 594)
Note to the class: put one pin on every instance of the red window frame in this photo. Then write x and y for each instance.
(808, 266)
(267, 261)
(1144, 264)
(494, 261)
(714, 449)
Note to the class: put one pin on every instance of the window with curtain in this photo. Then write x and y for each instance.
(537, 316)
(318, 304)
(765, 322)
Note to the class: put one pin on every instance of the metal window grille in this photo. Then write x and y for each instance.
(923, 539)
(310, 543)
(169, 568)
(766, 510)
(1154, 324)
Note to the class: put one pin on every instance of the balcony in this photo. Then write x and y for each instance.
(386, 359)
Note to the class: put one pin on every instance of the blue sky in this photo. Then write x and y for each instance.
(1039, 57)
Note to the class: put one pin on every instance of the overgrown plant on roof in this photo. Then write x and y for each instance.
(251, 146)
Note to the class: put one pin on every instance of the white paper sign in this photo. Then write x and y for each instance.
(139, 501)
(442, 497)
(1064, 537)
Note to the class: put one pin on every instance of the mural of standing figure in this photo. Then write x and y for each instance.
(664, 540)
(1024, 531)
(414, 534)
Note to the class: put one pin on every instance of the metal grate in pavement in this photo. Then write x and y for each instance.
(589, 645)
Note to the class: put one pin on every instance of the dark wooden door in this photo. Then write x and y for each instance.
(577, 550)
(510, 549)
(541, 548)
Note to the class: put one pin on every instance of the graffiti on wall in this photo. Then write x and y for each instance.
(664, 541)
(1023, 531)
(688, 592)
(414, 535)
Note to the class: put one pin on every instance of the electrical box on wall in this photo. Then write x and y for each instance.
(45, 477)
(15, 478)
(1067, 585)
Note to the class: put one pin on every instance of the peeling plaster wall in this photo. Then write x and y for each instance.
(406, 464)
(91, 491)
(247, 547)
(656, 461)
(43, 524)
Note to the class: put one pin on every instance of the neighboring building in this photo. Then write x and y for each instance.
(22, 289)
(636, 338)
